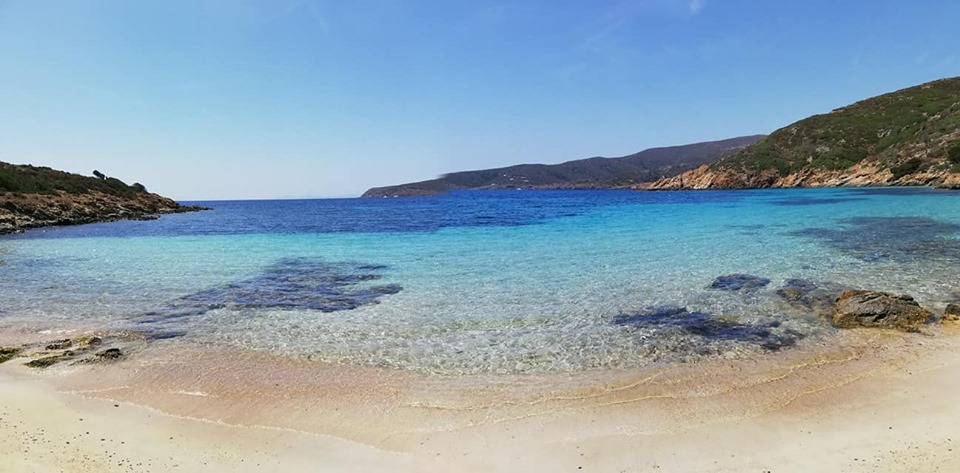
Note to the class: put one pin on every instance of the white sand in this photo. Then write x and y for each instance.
(884, 403)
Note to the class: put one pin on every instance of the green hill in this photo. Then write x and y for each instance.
(907, 137)
(33, 197)
(27, 179)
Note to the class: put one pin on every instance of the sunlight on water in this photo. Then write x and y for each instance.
(489, 282)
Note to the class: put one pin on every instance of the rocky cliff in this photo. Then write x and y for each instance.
(905, 138)
(33, 197)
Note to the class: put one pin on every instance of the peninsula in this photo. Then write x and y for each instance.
(33, 197)
(592, 173)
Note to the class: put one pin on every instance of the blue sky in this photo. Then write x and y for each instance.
(223, 99)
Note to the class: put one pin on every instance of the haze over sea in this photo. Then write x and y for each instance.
(490, 281)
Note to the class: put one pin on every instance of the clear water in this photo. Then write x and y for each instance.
(487, 282)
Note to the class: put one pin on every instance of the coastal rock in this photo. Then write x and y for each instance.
(878, 309)
(951, 315)
(738, 282)
(8, 353)
(20, 212)
(110, 354)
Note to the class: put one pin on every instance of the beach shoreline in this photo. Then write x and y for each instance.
(874, 401)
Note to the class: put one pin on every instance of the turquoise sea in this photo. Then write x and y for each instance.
(492, 281)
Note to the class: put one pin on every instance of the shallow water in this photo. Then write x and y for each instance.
(490, 282)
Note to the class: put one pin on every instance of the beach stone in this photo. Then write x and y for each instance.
(110, 354)
(951, 314)
(879, 310)
(60, 344)
(738, 282)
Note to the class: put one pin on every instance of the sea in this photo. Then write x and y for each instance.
(492, 282)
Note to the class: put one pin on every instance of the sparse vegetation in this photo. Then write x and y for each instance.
(953, 153)
(28, 179)
(909, 167)
(880, 128)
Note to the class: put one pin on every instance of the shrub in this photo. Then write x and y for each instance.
(909, 167)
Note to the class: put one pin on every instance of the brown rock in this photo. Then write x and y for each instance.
(878, 309)
(951, 314)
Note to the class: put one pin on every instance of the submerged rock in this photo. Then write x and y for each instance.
(878, 309)
(290, 283)
(738, 282)
(807, 296)
(898, 239)
(769, 336)
(795, 289)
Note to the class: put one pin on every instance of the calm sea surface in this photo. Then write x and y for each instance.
(490, 282)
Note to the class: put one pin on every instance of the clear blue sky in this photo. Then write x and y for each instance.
(220, 99)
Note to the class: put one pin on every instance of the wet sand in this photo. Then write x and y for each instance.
(873, 401)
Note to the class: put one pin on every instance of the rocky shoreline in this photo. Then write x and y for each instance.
(864, 174)
(21, 212)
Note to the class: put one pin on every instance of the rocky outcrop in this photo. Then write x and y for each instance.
(19, 212)
(863, 174)
(878, 309)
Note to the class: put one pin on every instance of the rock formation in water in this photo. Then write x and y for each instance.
(906, 138)
(33, 197)
(878, 309)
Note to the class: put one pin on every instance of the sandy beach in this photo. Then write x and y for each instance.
(882, 402)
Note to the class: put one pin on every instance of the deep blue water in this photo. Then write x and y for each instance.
(382, 215)
(496, 281)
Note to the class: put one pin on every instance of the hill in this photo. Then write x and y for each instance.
(907, 137)
(592, 173)
(32, 197)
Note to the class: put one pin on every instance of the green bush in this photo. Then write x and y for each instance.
(909, 167)
(953, 153)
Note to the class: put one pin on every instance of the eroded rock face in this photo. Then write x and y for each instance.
(878, 309)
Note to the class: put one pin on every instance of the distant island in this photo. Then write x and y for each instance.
(33, 197)
(910, 137)
(592, 173)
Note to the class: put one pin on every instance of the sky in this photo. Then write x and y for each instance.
(251, 99)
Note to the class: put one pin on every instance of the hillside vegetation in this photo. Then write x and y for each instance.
(907, 137)
(27, 179)
(33, 197)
